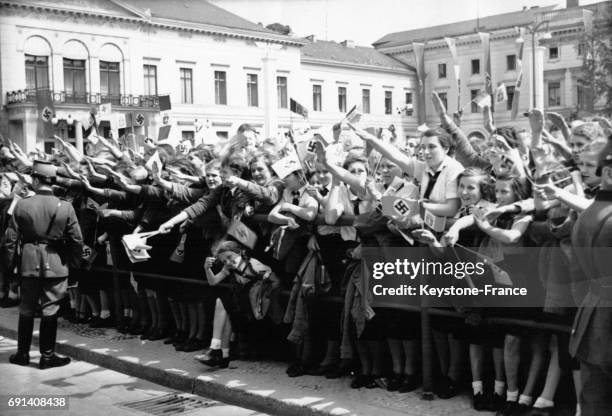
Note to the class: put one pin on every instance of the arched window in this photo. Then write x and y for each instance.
(110, 73)
(75, 78)
(37, 56)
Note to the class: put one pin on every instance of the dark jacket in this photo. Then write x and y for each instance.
(31, 219)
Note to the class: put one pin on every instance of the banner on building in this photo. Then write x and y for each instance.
(419, 57)
(297, 108)
(164, 103)
(587, 17)
(46, 112)
(452, 46)
(485, 39)
(520, 48)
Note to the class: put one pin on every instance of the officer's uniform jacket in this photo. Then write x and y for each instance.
(591, 338)
(28, 228)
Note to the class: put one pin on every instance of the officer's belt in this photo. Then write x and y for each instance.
(37, 242)
(602, 288)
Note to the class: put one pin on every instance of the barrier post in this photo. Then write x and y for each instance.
(426, 355)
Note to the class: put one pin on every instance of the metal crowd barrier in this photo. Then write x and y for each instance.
(425, 312)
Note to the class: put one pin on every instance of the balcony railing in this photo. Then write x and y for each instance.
(63, 97)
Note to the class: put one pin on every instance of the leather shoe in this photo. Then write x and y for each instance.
(20, 359)
(213, 358)
(53, 361)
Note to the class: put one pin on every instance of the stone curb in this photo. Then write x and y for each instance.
(189, 384)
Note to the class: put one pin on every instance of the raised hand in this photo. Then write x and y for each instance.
(450, 238)
(424, 236)
(364, 135)
(488, 119)
(438, 104)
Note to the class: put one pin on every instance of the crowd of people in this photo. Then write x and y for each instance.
(239, 235)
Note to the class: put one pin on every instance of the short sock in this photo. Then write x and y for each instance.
(578, 410)
(512, 396)
(541, 403)
(104, 314)
(477, 387)
(215, 344)
(225, 352)
(526, 400)
(500, 386)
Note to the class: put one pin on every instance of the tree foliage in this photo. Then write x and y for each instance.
(279, 28)
(595, 81)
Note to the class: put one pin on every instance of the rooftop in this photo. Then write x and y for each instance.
(194, 11)
(333, 52)
(495, 22)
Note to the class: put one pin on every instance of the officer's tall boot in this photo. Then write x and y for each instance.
(24, 341)
(48, 334)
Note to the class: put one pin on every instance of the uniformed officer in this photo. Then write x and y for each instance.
(591, 339)
(46, 231)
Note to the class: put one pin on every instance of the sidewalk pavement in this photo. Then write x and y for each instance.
(261, 386)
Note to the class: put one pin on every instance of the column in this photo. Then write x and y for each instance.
(568, 88)
(536, 86)
(78, 135)
(269, 96)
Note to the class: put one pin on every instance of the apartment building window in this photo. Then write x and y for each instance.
(580, 50)
(388, 102)
(150, 79)
(510, 93)
(409, 104)
(188, 135)
(220, 88)
(74, 80)
(186, 86)
(510, 62)
(475, 66)
(110, 84)
(554, 94)
(316, 98)
(441, 71)
(252, 91)
(342, 99)
(281, 90)
(473, 105)
(37, 72)
(365, 101)
(553, 52)
(444, 98)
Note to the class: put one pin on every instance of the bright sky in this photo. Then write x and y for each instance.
(366, 21)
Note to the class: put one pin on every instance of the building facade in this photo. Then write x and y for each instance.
(557, 57)
(214, 65)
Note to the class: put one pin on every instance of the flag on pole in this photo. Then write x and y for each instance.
(485, 39)
(501, 94)
(297, 108)
(517, 95)
(104, 111)
(419, 56)
(287, 165)
(483, 99)
(46, 112)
